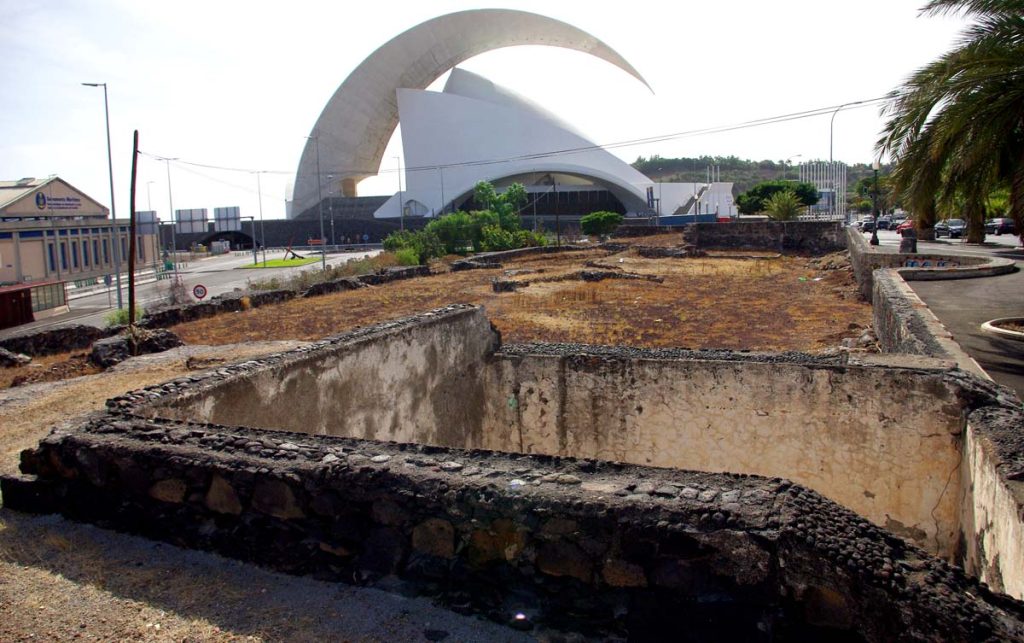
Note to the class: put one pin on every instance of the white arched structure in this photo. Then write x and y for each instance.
(356, 124)
(476, 131)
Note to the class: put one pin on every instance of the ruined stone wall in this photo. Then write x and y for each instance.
(992, 506)
(433, 380)
(601, 550)
(876, 439)
(414, 380)
(990, 541)
(814, 237)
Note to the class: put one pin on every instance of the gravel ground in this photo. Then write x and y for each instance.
(62, 581)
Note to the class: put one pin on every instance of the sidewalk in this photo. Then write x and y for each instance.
(963, 305)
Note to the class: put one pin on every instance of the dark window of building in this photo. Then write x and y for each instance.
(74, 254)
(85, 253)
(28, 234)
(106, 252)
(63, 255)
(96, 250)
(53, 262)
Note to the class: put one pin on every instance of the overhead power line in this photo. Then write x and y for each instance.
(760, 122)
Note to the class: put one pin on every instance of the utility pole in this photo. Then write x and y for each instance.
(131, 232)
(113, 210)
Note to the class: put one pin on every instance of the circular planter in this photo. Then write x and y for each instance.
(1001, 327)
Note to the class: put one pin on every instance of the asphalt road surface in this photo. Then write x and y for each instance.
(219, 274)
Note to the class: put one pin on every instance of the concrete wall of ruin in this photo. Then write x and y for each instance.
(992, 524)
(875, 439)
(991, 534)
(815, 237)
(882, 437)
(418, 380)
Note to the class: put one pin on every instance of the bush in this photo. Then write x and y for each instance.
(494, 238)
(407, 257)
(783, 206)
(600, 223)
(119, 317)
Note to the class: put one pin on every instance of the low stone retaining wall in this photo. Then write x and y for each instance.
(519, 253)
(51, 341)
(599, 549)
(813, 237)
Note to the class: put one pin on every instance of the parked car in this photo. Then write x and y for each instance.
(884, 223)
(906, 224)
(952, 228)
(867, 225)
(1000, 225)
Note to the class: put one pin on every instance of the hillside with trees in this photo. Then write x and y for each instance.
(744, 174)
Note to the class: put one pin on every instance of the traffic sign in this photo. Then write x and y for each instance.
(199, 291)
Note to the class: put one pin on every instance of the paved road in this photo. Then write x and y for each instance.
(963, 305)
(219, 274)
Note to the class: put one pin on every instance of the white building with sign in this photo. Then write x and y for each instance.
(52, 233)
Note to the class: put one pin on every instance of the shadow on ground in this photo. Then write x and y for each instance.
(124, 583)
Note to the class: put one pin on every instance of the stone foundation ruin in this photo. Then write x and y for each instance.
(609, 491)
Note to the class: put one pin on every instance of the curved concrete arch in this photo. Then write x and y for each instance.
(359, 119)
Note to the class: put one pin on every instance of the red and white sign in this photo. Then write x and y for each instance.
(199, 291)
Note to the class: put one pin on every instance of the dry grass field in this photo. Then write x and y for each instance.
(725, 301)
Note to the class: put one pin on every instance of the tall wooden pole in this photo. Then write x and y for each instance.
(131, 232)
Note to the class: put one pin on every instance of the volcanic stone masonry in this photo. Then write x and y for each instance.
(597, 547)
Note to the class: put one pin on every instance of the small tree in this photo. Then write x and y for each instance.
(600, 223)
(783, 206)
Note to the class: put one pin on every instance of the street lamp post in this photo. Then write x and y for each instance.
(874, 204)
(149, 196)
(330, 206)
(113, 211)
(263, 233)
(320, 200)
(174, 224)
(401, 205)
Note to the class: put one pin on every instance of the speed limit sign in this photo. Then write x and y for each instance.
(199, 291)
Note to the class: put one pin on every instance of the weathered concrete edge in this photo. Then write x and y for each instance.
(811, 540)
(145, 401)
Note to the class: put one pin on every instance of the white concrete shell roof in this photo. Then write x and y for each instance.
(452, 141)
(356, 124)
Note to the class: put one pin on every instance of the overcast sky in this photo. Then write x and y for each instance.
(239, 84)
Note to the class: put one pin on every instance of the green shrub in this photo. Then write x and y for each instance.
(600, 223)
(407, 257)
(494, 238)
(119, 317)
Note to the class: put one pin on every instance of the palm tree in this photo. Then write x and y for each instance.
(956, 126)
(783, 206)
